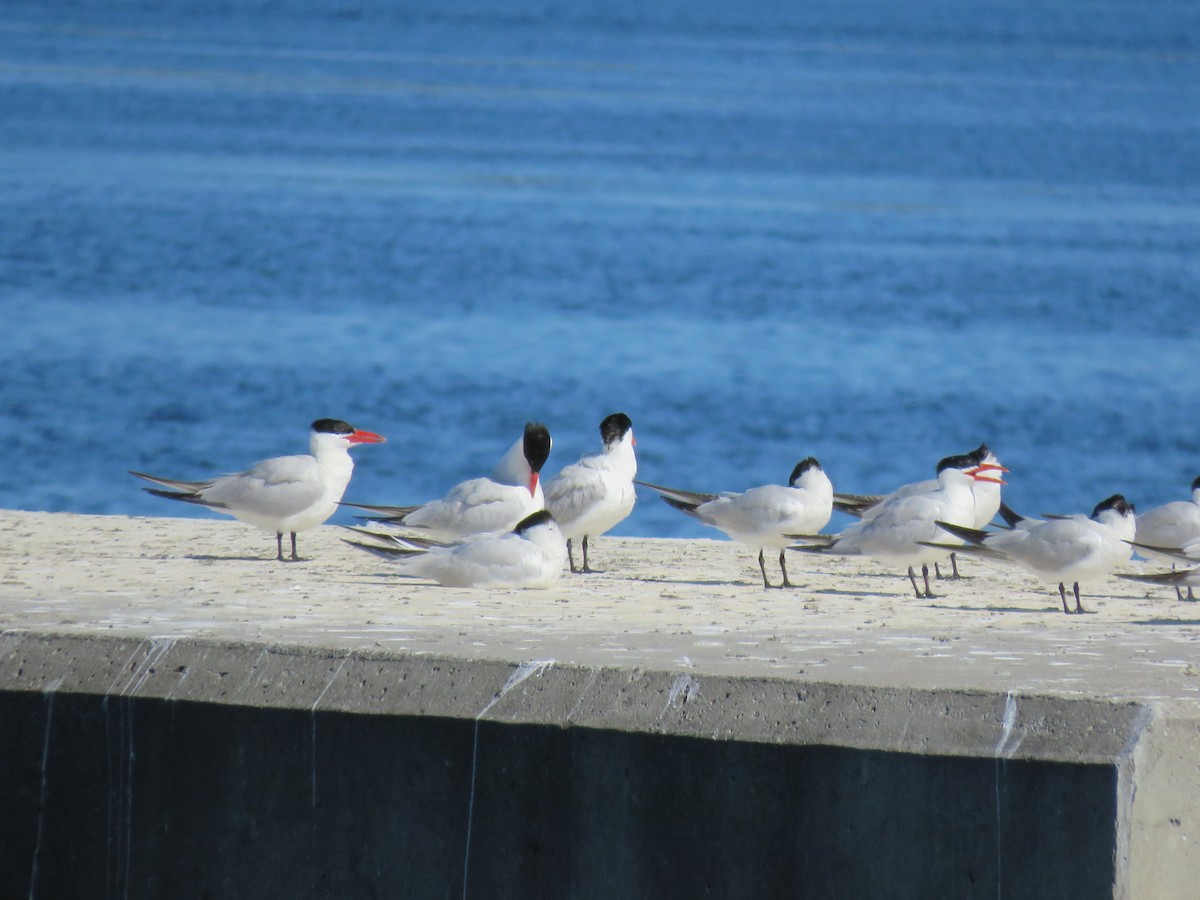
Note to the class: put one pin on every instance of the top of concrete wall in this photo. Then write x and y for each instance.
(684, 606)
(677, 636)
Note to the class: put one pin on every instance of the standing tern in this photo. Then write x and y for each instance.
(482, 505)
(589, 497)
(763, 516)
(532, 555)
(895, 529)
(286, 494)
(1072, 548)
(985, 490)
(1172, 525)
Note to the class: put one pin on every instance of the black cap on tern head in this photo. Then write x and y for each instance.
(614, 428)
(541, 517)
(1196, 483)
(803, 466)
(956, 462)
(980, 453)
(536, 445)
(332, 426)
(1116, 502)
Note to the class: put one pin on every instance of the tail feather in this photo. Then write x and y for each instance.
(389, 553)
(393, 515)
(684, 501)
(1010, 516)
(812, 543)
(969, 549)
(186, 498)
(855, 504)
(970, 535)
(1172, 552)
(682, 506)
(398, 541)
(1179, 576)
(187, 491)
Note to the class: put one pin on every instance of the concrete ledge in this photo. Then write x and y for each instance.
(761, 710)
(839, 740)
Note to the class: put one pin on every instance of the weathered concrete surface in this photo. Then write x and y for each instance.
(1079, 731)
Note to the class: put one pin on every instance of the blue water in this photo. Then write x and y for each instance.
(875, 233)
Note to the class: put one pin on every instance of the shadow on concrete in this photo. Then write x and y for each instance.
(205, 557)
(1164, 621)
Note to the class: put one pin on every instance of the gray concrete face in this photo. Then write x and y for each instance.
(154, 798)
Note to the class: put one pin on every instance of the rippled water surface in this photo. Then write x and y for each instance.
(873, 233)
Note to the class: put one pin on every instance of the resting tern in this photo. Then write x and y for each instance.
(589, 497)
(481, 505)
(894, 531)
(986, 492)
(763, 516)
(530, 556)
(1172, 525)
(286, 494)
(1072, 548)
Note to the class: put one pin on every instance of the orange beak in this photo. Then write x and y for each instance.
(987, 467)
(366, 437)
(533, 483)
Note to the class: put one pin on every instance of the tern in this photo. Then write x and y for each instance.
(286, 494)
(532, 555)
(1065, 549)
(985, 490)
(763, 516)
(589, 497)
(1172, 525)
(481, 505)
(895, 529)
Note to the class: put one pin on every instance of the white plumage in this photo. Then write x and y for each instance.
(286, 494)
(591, 496)
(481, 505)
(1070, 549)
(530, 556)
(898, 528)
(763, 516)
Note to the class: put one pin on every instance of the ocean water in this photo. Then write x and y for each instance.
(870, 232)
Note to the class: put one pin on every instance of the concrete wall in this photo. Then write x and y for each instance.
(122, 796)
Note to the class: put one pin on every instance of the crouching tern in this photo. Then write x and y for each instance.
(532, 555)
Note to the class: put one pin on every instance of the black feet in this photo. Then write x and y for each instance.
(1062, 593)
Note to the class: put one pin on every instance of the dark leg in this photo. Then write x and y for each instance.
(912, 576)
(1178, 590)
(571, 556)
(279, 544)
(585, 564)
(1078, 606)
(1062, 592)
(953, 576)
(783, 569)
(1191, 596)
(925, 572)
(295, 555)
(762, 565)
